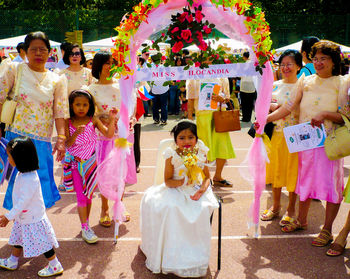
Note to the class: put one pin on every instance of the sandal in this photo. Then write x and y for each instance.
(222, 183)
(51, 270)
(105, 221)
(126, 217)
(293, 226)
(322, 239)
(269, 214)
(286, 220)
(335, 250)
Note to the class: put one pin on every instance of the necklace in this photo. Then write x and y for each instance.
(39, 78)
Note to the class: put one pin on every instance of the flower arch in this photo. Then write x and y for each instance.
(237, 19)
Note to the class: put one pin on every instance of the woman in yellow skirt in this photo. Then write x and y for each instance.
(282, 171)
(219, 144)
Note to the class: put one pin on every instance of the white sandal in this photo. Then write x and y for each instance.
(7, 264)
(51, 270)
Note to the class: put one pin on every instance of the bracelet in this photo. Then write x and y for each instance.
(62, 136)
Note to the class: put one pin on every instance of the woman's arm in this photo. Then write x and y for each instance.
(61, 139)
(326, 115)
(168, 175)
(204, 186)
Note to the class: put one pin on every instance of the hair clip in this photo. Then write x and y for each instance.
(14, 145)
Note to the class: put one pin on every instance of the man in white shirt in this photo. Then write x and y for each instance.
(247, 94)
(21, 57)
(160, 100)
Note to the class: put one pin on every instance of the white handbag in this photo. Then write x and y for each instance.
(9, 106)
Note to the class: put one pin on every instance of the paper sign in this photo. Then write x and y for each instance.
(304, 137)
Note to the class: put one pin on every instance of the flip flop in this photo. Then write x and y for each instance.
(269, 214)
(293, 226)
(286, 220)
(223, 183)
(335, 250)
(105, 221)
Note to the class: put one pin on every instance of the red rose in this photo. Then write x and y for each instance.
(183, 16)
(177, 47)
(198, 16)
(199, 36)
(163, 58)
(175, 30)
(206, 29)
(163, 34)
(189, 18)
(186, 34)
(227, 61)
(197, 64)
(203, 46)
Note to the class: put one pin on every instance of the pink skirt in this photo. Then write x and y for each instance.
(105, 145)
(319, 177)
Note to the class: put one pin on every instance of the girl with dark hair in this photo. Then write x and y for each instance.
(282, 171)
(106, 93)
(32, 231)
(80, 162)
(321, 99)
(77, 76)
(175, 215)
(42, 101)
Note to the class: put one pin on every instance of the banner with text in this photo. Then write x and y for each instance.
(178, 73)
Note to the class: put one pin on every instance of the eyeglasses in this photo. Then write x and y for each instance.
(77, 53)
(289, 65)
(35, 49)
(321, 60)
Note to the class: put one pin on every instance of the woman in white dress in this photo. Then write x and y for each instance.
(175, 215)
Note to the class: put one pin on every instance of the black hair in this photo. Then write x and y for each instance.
(19, 47)
(81, 93)
(100, 58)
(331, 49)
(307, 44)
(184, 125)
(142, 60)
(65, 46)
(183, 63)
(298, 58)
(38, 35)
(69, 51)
(246, 54)
(23, 152)
(186, 51)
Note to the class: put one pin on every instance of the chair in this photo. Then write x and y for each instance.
(159, 178)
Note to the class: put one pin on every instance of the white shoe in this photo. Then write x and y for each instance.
(8, 264)
(51, 270)
(89, 236)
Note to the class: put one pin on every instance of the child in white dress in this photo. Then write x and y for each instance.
(175, 215)
(32, 232)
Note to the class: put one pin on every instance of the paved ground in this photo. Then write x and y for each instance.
(273, 255)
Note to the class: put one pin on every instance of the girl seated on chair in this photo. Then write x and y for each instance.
(175, 215)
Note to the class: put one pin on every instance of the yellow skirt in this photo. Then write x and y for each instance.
(282, 171)
(219, 144)
(346, 192)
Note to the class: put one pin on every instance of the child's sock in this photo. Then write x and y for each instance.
(85, 226)
(13, 259)
(54, 262)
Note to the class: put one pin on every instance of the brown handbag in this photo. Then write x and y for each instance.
(226, 120)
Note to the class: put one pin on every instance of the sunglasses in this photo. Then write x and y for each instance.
(77, 53)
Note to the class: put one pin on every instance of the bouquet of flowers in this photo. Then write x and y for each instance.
(190, 159)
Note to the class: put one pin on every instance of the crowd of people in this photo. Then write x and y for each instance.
(80, 100)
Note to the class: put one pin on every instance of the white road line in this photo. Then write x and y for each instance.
(217, 192)
(228, 237)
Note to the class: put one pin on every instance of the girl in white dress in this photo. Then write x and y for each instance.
(175, 215)
(32, 231)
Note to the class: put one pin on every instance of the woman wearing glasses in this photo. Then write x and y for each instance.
(282, 171)
(42, 101)
(321, 98)
(77, 77)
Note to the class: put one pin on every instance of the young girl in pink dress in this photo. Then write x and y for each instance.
(80, 165)
(32, 231)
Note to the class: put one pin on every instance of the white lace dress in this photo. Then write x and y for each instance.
(175, 229)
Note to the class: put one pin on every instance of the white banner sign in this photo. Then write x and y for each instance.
(178, 73)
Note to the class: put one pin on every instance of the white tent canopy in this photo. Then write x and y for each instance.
(297, 46)
(234, 45)
(14, 41)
